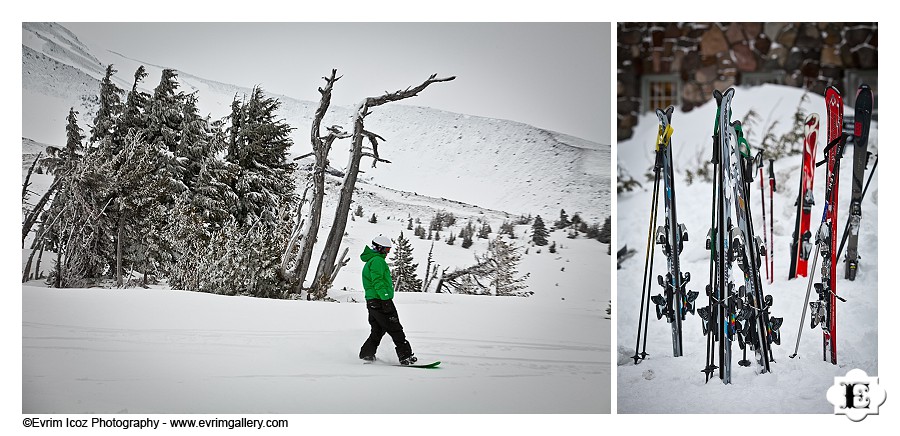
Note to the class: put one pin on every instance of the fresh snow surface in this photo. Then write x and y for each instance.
(797, 385)
(168, 351)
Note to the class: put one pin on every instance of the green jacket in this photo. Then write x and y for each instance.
(376, 277)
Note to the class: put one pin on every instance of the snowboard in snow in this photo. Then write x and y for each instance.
(415, 365)
(420, 365)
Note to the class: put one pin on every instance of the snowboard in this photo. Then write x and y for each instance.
(415, 365)
(421, 365)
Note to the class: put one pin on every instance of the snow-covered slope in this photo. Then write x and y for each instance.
(795, 385)
(492, 163)
(140, 351)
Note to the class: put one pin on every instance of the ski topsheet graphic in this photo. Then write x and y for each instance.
(802, 237)
(824, 310)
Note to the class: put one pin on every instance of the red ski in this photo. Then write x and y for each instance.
(834, 105)
(802, 243)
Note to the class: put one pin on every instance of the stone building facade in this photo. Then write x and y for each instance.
(682, 63)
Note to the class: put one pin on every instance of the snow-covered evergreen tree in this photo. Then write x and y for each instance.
(563, 220)
(507, 228)
(109, 112)
(539, 232)
(259, 147)
(503, 260)
(605, 234)
(485, 231)
(134, 117)
(403, 270)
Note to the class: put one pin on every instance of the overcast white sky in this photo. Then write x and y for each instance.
(551, 75)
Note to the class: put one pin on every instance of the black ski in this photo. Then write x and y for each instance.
(741, 313)
(675, 302)
(862, 119)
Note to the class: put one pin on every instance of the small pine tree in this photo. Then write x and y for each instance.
(466, 240)
(359, 210)
(563, 220)
(485, 231)
(451, 240)
(553, 247)
(403, 270)
(539, 232)
(503, 258)
(409, 225)
(420, 231)
(507, 228)
(576, 220)
(374, 219)
(605, 235)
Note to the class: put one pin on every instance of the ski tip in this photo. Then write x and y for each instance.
(718, 96)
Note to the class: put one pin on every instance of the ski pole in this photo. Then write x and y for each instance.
(771, 220)
(648, 261)
(806, 302)
(762, 201)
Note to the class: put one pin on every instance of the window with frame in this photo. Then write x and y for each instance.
(759, 78)
(659, 91)
(852, 80)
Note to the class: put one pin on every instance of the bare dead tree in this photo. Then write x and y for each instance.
(296, 235)
(321, 146)
(325, 272)
(431, 270)
(25, 190)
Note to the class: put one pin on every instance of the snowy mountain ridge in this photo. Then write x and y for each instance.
(433, 152)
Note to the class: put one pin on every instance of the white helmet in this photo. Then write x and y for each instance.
(382, 241)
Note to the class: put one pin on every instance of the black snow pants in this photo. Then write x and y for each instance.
(383, 319)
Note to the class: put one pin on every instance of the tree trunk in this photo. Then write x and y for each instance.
(35, 213)
(326, 267)
(321, 147)
(37, 266)
(121, 233)
(59, 262)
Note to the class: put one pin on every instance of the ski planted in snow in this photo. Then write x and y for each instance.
(824, 310)
(861, 120)
(741, 313)
(716, 317)
(802, 237)
(675, 301)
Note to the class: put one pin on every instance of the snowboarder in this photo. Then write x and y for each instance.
(376, 279)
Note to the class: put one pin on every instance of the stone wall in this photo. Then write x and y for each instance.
(710, 56)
